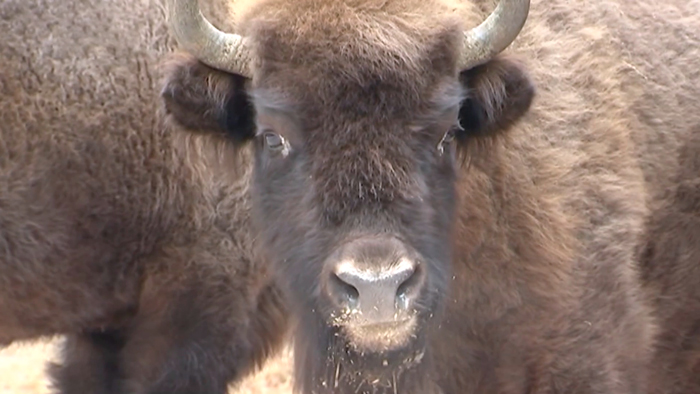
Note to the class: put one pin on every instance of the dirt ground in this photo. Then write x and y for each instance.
(22, 372)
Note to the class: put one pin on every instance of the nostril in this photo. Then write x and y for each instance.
(343, 292)
(409, 288)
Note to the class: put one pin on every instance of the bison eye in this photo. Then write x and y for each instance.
(446, 140)
(275, 142)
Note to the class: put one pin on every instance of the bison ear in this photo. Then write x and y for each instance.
(499, 93)
(201, 99)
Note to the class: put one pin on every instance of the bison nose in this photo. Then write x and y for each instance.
(374, 290)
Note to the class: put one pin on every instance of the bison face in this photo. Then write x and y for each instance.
(354, 193)
(357, 212)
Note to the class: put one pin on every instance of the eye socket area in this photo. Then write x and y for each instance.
(275, 142)
(447, 139)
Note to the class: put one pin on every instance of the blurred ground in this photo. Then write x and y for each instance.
(22, 372)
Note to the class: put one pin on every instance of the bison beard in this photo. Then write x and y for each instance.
(328, 364)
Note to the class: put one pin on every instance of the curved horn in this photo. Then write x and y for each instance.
(223, 51)
(494, 34)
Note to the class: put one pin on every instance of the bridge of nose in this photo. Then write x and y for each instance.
(375, 275)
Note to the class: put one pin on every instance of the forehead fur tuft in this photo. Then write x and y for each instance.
(347, 48)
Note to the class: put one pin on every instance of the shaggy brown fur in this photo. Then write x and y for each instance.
(671, 267)
(533, 281)
(109, 232)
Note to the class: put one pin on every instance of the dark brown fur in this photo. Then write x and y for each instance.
(542, 291)
(112, 231)
(671, 267)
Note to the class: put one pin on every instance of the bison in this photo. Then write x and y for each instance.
(114, 232)
(446, 216)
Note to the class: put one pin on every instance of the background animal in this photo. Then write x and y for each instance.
(112, 231)
(444, 219)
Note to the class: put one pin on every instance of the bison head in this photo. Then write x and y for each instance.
(361, 114)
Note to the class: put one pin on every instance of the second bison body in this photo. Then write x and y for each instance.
(110, 232)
